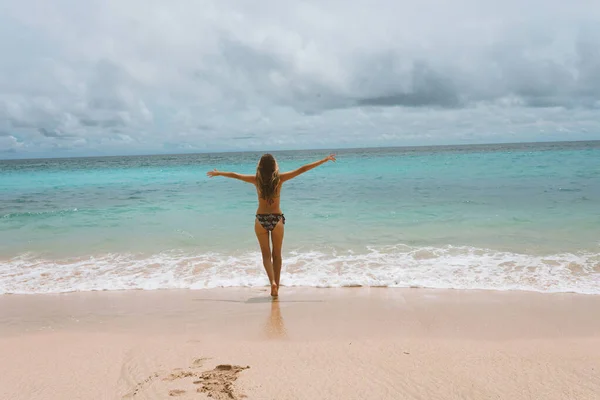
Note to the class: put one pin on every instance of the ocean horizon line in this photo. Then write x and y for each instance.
(316, 149)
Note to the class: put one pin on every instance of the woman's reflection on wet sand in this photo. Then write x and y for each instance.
(275, 327)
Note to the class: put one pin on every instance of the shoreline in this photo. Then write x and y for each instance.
(299, 287)
(311, 343)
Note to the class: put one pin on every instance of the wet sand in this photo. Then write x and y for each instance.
(351, 343)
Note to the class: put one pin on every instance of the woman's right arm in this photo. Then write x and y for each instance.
(233, 175)
(286, 176)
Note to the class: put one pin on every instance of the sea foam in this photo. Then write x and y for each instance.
(384, 266)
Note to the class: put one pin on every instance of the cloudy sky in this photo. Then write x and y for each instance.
(149, 76)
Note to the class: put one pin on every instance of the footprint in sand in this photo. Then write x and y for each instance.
(218, 382)
(198, 362)
(178, 375)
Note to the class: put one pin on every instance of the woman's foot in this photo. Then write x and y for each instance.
(274, 290)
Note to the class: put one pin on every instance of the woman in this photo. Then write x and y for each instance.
(269, 218)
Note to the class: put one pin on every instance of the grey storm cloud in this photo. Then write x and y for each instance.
(427, 88)
(48, 133)
(54, 134)
(109, 75)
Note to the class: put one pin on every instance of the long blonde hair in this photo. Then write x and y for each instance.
(267, 178)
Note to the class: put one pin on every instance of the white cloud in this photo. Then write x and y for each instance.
(146, 76)
(9, 144)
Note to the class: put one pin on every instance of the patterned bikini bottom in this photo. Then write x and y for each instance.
(270, 221)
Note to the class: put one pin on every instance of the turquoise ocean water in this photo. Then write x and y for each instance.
(520, 216)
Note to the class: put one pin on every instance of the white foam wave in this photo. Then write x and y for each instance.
(392, 266)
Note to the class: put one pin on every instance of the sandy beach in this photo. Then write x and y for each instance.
(353, 343)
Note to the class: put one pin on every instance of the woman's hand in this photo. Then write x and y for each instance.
(330, 157)
(212, 173)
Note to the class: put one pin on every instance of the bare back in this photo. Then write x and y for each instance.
(264, 207)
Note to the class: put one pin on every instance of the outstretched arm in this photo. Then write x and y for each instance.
(234, 175)
(286, 176)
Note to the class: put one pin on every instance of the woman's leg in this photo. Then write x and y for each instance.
(263, 240)
(277, 240)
